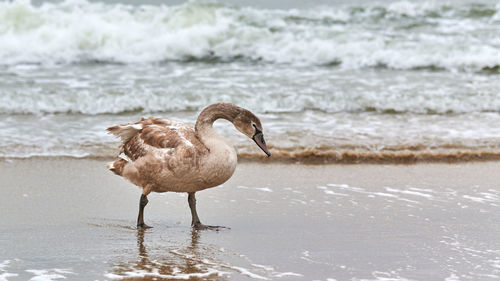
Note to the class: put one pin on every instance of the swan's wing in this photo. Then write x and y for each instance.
(164, 140)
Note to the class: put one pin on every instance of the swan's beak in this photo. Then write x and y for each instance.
(259, 140)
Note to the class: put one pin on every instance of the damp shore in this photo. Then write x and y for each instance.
(64, 217)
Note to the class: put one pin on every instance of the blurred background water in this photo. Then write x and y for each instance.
(369, 77)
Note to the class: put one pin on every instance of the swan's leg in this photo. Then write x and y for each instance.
(192, 205)
(140, 219)
(195, 222)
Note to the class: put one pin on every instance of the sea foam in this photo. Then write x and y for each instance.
(403, 35)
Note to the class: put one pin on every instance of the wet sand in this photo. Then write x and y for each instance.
(73, 219)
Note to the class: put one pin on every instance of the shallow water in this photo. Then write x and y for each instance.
(342, 114)
(291, 222)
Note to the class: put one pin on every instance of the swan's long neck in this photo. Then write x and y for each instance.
(204, 124)
(221, 161)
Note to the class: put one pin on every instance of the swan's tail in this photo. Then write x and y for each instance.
(125, 131)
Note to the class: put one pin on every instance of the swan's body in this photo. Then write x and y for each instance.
(162, 155)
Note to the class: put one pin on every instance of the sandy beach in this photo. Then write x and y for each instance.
(382, 118)
(71, 218)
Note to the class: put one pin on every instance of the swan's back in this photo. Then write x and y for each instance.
(155, 150)
(164, 138)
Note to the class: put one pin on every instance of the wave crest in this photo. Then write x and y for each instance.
(92, 101)
(403, 35)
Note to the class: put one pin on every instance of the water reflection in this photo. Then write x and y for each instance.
(188, 260)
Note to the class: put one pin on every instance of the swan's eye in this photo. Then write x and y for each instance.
(257, 131)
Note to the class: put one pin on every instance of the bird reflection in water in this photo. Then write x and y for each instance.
(189, 262)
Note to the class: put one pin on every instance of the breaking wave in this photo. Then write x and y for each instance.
(265, 96)
(401, 35)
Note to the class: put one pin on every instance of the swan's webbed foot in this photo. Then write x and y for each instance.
(195, 222)
(200, 226)
(143, 226)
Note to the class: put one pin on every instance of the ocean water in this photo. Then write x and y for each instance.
(347, 81)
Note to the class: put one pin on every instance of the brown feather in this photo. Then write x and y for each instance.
(163, 155)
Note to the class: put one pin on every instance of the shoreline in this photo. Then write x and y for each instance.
(314, 158)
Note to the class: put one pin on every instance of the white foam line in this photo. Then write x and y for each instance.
(452, 277)
(473, 252)
(241, 270)
(372, 194)
(4, 275)
(356, 189)
(386, 276)
(475, 199)
(329, 192)
(285, 274)
(265, 267)
(250, 274)
(408, 192)
(4, 264)
(155, 273)
(495, 263)
(113, 276)
(299, 201)
(408, 200)
(422, 189)
(246, 272)
(48, 274)
(265, 189)
(490, 196)
(276, 274)
(338, 185)
(385, 194)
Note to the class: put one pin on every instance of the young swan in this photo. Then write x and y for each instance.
(163, 155)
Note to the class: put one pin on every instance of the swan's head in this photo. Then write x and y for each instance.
(247, 123)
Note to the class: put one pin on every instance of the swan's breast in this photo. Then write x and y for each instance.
(219, 166)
